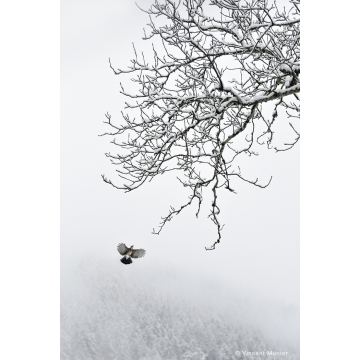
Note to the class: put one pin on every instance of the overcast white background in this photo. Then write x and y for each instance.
(30, 187)
(259, 251)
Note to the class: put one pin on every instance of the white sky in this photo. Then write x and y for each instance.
(260, 245)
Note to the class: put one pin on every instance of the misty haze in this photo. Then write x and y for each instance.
(179, 301)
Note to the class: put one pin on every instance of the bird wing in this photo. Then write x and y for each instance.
(138, 253)
(122, 249)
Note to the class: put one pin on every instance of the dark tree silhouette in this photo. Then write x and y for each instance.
(200, 101)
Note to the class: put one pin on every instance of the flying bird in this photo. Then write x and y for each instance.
(129, 253)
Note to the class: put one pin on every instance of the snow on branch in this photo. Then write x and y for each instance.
(198, 104)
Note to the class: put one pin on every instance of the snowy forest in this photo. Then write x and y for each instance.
(106, 314)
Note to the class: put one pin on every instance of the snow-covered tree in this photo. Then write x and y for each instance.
(221, 73)
(103, 316)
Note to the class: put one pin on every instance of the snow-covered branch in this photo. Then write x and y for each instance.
(199, 100)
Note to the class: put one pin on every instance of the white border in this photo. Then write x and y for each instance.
(30, 179)
(329, 183)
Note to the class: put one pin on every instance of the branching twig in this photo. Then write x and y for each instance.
(193, 114)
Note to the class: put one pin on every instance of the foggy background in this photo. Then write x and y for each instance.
(254, 271)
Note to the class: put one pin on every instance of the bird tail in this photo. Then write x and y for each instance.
(126, 260)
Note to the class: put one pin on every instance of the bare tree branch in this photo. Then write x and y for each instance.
(198, 104)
